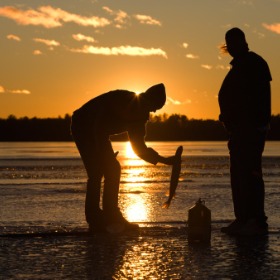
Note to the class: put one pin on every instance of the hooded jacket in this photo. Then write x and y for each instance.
(116, 112)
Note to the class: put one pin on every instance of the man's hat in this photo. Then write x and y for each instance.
(156, 95)
(235, 34)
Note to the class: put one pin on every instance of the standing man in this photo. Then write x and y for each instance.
(111, 113)
(245, 110)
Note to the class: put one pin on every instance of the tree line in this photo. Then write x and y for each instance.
(164, 127)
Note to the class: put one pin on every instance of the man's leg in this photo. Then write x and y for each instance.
(256, 224)
(238, 177)
(115, 221)
(94, 215)
(236, 180)
(247, 183)
(112, 175)
(257, 188)
(86, 146)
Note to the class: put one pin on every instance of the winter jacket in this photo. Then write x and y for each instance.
(244, 97)
(116, 112)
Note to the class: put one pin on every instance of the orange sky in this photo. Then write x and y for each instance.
(56, 55)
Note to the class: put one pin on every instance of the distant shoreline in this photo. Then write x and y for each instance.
(160, 128)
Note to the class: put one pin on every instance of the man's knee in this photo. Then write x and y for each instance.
(113, 169)
(94, 180)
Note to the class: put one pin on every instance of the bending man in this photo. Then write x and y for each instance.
(111, 113)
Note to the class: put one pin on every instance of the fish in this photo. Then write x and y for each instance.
(175, 174)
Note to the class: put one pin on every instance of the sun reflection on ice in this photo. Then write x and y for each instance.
(137, 210)
(136, 206)
(131, 158)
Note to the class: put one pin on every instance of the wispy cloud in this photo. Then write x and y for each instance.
(30, 17)
(177, 102)
(122, 50)
(37, 52)
(14, 91)
(173, 101)
(81, 37)
(49, 43)
(273, 27)
(192, 56)
(120, 17)
(50, 17)
(222, 67)
(20, 91)
(206, 66)
(145, 19)
(13, 37)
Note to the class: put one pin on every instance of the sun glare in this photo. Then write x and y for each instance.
(136, 175)
(131, 158)
(129, 152)
(137, 210)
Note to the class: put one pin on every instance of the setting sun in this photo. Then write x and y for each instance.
(75, 52)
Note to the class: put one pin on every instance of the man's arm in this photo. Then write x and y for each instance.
(137, 140)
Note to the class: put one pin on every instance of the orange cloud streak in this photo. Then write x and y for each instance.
(50, 17)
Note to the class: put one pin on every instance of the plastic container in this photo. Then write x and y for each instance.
(199, 223)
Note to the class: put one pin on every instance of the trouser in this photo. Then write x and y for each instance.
(99, 161)
(246, 148)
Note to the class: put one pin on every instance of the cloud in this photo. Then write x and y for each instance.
(177, 102)
(206, 66)
(122, 50)
(81, 37)
(173, 101)
(50, 17)
(37, 52)
(13, 37)
(14, 91)
(273, 27)
(20, 91)
(50, 43)
(29, 17)
(259, 34)
(222, 67)
(121, 17)
(144, 19)
(192, 56)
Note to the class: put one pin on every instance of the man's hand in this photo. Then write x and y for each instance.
(167, 160)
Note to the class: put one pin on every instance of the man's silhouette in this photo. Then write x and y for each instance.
(245, 106)
(111, 113)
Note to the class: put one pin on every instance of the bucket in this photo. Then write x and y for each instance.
(199, 222)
